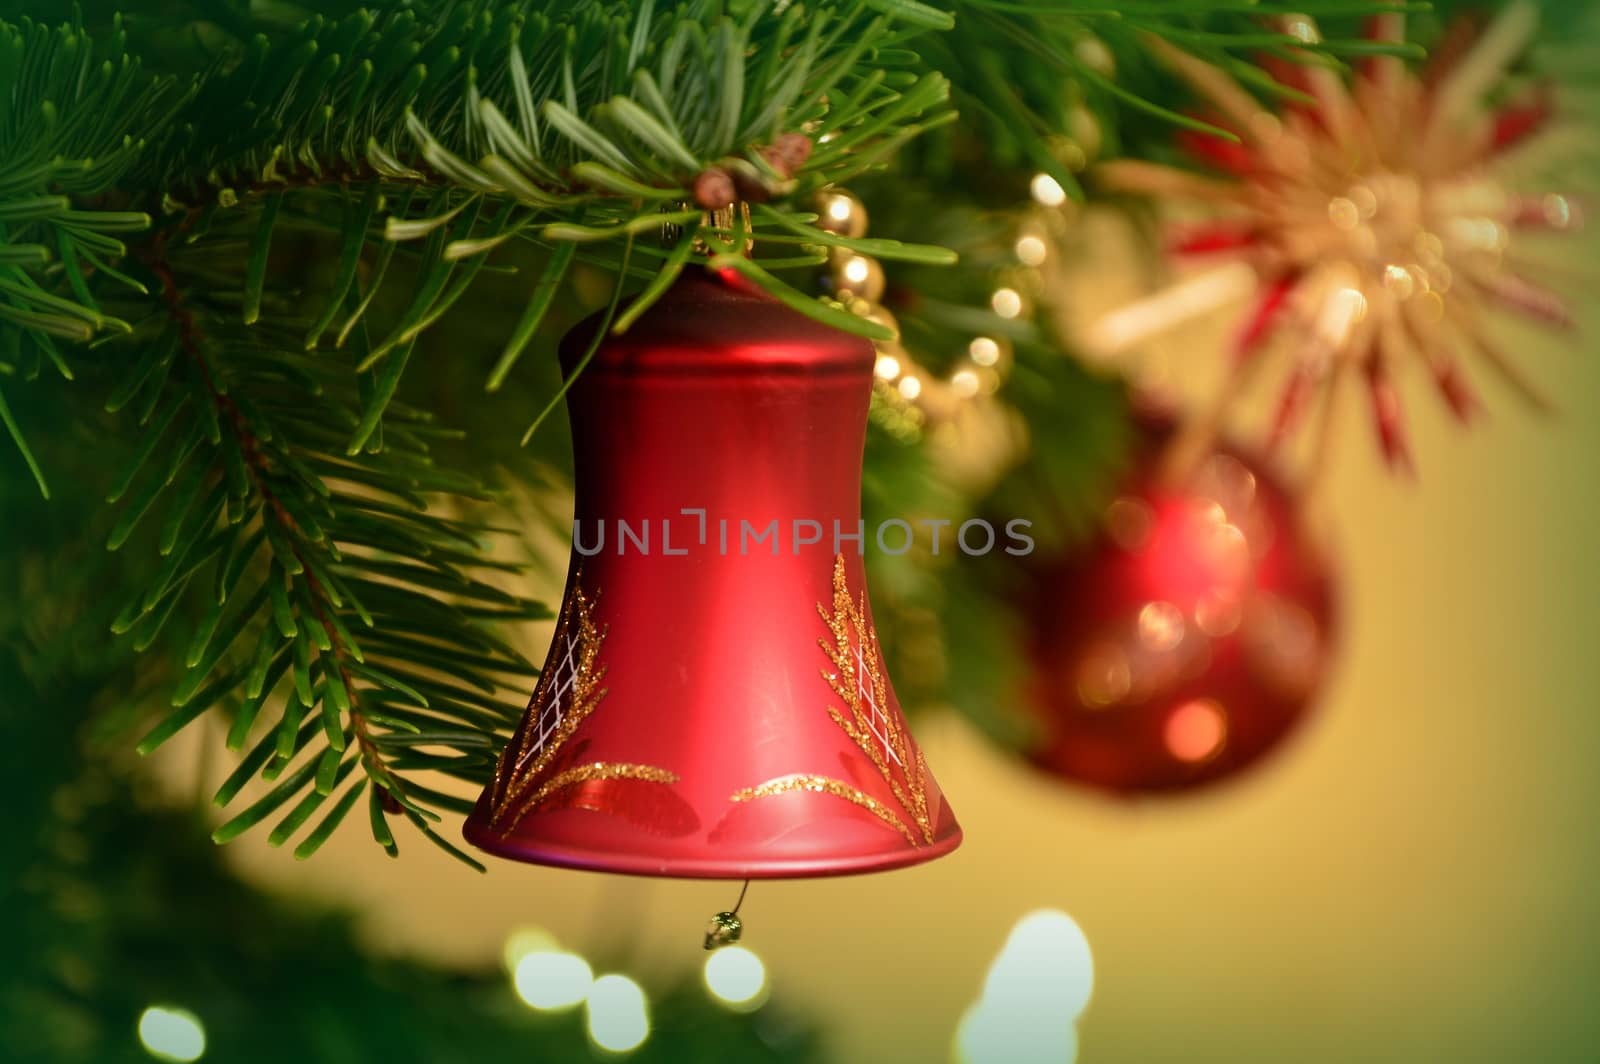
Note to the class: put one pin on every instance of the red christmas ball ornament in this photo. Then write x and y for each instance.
(1189, 639)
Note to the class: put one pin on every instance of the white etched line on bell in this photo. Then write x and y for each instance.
(551, 716)
(876, 721)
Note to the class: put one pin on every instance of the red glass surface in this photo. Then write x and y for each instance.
(719, 399)
(1190, 639)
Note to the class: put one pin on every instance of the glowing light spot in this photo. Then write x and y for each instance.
(857, 277)
(1289, 640)
(1297, 631)
(1196, 730)
(1206, 514)
(1032, 251)
(1230, 482)
(984, 351)
(910, 387)
(1007, 302)
(1303, 28)
(989, 1036)
(1130, 523)
(882, 317)
(1345, 308)
(1047, 191)
(1093, 52)
(1430, 307)
(1035, 990)
(1046, 960)
(552, 979)
(1161, 626)
(1557, 211)
(1218, 613)
(1366, 201)
(618, 1017)
(842, 213)
(1344, 214)
(1398, 280)
(736, 977)
(887, 367)
(965, 383)
(1104, 677)
(169, 1033)
(1482, 234)
(1227, 553)
(1172, 306)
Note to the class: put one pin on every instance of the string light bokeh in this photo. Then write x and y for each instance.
(172, 1034)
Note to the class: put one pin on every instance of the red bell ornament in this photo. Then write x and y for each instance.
(714, 703)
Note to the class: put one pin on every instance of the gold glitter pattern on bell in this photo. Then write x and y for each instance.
(827, 785)
(568, 692)
(857, 678)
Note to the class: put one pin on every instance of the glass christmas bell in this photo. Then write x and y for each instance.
(714, 703)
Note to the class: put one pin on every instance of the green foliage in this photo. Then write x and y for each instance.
(78, 115)
(1019, 69)
(279, 490)
(308, 565)
(97, 930)
(554, 123)
(270, 499)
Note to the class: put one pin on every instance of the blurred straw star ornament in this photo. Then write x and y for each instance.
(1370, 220)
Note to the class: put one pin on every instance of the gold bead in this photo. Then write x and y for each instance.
(1085, 130)
(986, 351)
(841, 214)
(1093, 53)
(874, 313)
(1007, 302)
(1031, 250)
(856, 276)
(879, 315)
(1047, 191)
(965, 383)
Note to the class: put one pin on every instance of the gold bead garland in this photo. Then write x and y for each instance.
(907, 397)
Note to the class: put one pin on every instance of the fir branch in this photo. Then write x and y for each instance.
(576, 120)
(78, 114)
(280, 490)
(531, 120)
(302, 598)
(1022, 67)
